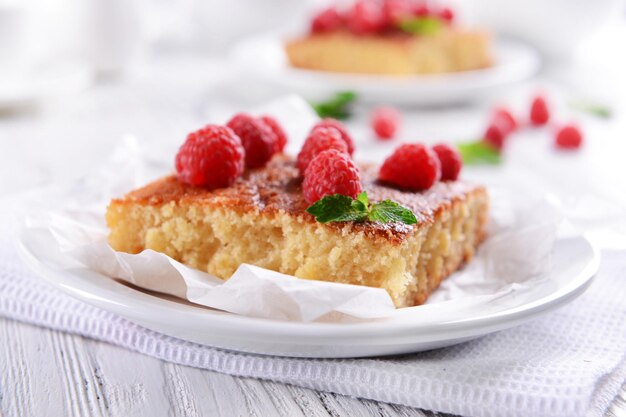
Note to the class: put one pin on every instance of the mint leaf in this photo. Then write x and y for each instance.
(341, 208)
(338, 107)
(338, 208)
(421, 25)
(389, 211)
(478, 152)
(597, 110)
(363, 198)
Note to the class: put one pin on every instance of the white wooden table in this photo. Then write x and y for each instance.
(48, 373)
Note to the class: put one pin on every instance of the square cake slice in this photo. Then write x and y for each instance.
(451, 50)
(261, 220)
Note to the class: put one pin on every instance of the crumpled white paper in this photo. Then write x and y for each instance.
(514, 257)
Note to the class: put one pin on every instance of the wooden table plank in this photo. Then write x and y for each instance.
(49, 373)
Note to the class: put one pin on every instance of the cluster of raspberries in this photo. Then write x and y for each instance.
(503, 123)
(376, 16)
(215, 156)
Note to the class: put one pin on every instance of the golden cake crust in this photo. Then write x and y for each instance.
(277, 188)
(397, 54)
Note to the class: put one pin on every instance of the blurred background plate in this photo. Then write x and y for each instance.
(263, 58)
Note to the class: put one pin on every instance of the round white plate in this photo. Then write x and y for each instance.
(574, 263)
(263, 57)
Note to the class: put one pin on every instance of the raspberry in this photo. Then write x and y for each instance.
(212, 157)
(341, 128)
(320, 139)
(568, 137)
(412, 166)
(539, 113)
(450, 160)
(494, 136)
(446, 14)
(331, 172)
(385, 121)
(394, 11)
(256, 137)
(504, 118)
(326, 21)
(421, 10)
(366, 16)
(281, 136)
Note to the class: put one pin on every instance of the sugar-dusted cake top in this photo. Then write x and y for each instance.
(278, 188)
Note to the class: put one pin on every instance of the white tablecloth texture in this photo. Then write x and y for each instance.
(567, 363)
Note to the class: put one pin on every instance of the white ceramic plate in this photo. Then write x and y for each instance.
(263, 57)
(575, 261)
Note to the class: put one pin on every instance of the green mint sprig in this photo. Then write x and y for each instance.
(421, 26)
(479, 153)
(338, 107)
(593, 109)
(341, 208)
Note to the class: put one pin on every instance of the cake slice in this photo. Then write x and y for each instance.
(450, 50)
(261, 220)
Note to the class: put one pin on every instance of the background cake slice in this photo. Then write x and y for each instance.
(261, 220)
(450, 50)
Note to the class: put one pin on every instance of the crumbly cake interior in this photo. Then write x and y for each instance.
(449, 51)
(216, 232)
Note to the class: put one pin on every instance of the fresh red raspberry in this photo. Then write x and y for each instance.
(365, 17)
(450, 159)
(320, 139)
(281, 136)
(568, 137)
(212, 157)
(331, 172)
(539, 112)
(385, 122)
(504, 118)
(395, 11)
(256, 137)
(341, 128)
(421, 10)
(412, 166)
(494, 136)
(327, 20)
(446, 14)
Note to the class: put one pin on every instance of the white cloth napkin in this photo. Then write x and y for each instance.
(568, 363)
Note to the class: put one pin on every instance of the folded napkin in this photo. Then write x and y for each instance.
(568, 363)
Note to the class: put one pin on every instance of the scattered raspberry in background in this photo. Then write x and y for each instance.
(568, 137)
(256, 137)
(412, 166)
(365, 17)
(494, 136)
(281, 136)
(331, 172)
(385, 122)
(450, 160)
(504, 119)
(320, 139)
(341, 128)
(446, 14)
(539, 112)
(395, 11)
(327, 20)
(421, 10)
(212, 157)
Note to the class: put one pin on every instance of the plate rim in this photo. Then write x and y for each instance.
(224, 321)
(380, 83)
